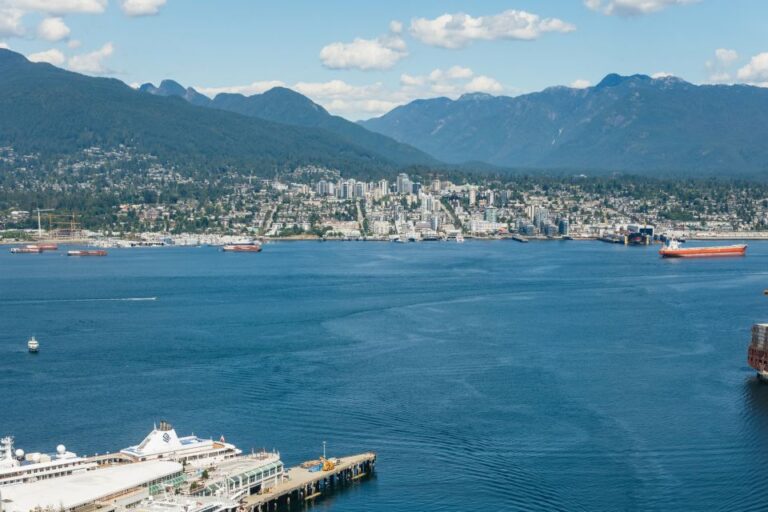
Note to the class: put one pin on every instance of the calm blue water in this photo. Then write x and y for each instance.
(487, 376)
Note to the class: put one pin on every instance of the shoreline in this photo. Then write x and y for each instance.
(707, 237)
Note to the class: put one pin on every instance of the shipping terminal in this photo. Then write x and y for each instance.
(169, 473)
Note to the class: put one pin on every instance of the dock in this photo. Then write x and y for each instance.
(304, 485)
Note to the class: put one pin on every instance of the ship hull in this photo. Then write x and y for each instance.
(704, 252)
(87, 253)
(241, 248)
(758, 359)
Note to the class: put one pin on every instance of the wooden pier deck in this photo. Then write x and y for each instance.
(304, 485)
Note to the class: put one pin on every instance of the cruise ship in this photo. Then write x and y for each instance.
(18, 467)
(164, 443)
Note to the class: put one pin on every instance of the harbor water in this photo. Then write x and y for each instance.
(486, 375)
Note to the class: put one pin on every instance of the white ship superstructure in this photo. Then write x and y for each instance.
(18, 467)
(164, 443)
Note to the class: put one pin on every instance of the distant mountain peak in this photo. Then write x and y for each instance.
(630, 123)
(174, 88)
(614, 79)
(475, 96)
(10, 58)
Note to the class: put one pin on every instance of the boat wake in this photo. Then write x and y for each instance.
(108, 299)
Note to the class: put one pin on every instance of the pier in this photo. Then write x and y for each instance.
(303, 485)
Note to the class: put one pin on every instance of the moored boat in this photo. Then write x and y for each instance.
(26, 250)
(97, 252)
(33, 345)
(673, 250)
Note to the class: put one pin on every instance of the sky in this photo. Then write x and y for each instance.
(360, 59)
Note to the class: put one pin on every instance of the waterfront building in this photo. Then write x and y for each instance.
(491, 214)
(563, 227)
(472, 196)
(540, 217)
(123, 485)
(244, 475)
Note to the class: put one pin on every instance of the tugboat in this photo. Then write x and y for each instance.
(33, 345)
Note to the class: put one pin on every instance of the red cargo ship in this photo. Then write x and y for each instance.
(673, 250)
(46, 247)
(757, 355)
(242, 248)
(99, 252)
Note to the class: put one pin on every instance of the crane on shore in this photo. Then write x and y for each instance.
(39, 222)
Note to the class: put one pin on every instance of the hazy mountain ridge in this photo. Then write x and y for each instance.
(56, 112)
(629, 123)
(286, 106)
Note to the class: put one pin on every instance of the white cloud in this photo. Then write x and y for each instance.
(74, 43)
(580, 83)
(53, 29)
(756, 71)
(141, 7)
(485, 84)
(721, 66)
(247, 90)
(367, 54)
(632, 7)
(92, 62)
(720, 78)
(4, 46)
(52, 56)
(58, 6)
(458, 30)
(10, 21)
(725, 56)
(452, 73)
(369, 100)
(661, 74)
(411, 81)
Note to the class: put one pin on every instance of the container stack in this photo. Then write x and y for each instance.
(758, 350)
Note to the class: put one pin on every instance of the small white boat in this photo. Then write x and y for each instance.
(459, 238)
(33, 345)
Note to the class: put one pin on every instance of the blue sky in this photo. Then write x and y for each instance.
(361, 58)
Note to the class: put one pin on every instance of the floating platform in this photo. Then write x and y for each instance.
(305, 483)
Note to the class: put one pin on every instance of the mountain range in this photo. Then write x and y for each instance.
(55, 112)
(286, 106)
(624, 123)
